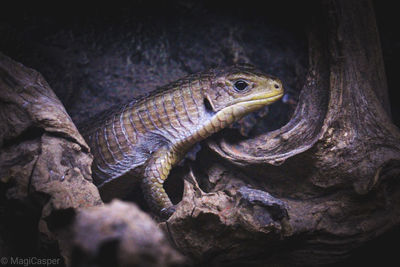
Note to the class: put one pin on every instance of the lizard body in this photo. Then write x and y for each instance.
(147, 137)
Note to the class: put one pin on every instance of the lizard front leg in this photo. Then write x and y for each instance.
(155, 173)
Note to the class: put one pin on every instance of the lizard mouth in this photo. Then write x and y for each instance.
(242, 108)
(239, 109)
(260, 100)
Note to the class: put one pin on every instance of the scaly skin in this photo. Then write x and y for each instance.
(154, 133)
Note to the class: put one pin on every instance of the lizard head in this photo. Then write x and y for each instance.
(242, 89)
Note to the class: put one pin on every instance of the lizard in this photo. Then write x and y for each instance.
(143, 139)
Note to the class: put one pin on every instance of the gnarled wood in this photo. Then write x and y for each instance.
(332, 164)
(49, 199)
(308, 193)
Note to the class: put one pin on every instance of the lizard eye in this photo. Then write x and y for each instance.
(240, 85)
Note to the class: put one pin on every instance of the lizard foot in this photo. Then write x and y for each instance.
(165, 213)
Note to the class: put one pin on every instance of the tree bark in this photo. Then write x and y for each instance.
(308, 193)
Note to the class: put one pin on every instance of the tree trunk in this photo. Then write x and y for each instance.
(307, 193)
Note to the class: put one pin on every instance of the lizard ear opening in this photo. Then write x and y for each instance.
(208, 104)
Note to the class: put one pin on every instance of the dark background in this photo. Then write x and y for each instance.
(97, 56)
(100, 56)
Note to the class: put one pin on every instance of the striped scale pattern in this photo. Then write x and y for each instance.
(147, 137)
(128, 137)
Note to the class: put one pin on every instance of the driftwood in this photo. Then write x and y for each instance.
(335, 164)
(46, 178)
(308, 193)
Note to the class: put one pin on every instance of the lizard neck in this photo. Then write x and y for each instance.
(211, 123)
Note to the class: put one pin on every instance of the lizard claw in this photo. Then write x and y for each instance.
(165, 213)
